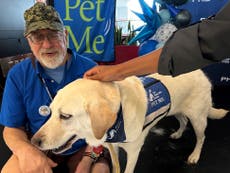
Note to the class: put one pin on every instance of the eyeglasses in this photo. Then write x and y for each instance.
(38, 38)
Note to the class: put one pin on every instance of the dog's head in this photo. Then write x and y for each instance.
(83, 109)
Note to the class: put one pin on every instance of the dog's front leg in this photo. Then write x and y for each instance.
(132, 156)
(133, 149)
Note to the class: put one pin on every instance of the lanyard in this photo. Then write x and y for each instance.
(46, 87)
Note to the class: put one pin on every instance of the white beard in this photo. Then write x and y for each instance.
(51, 62)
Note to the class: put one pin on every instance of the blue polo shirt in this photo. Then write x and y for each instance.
(24, 92)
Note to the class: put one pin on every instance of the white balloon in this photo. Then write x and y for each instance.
(164, 32)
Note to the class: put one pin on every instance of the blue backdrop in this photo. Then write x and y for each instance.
(203, 8)
(90, 24)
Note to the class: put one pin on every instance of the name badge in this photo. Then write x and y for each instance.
(44, 110)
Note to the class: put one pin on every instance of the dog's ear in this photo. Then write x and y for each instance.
(102, 118)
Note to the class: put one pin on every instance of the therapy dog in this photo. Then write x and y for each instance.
(117, 113)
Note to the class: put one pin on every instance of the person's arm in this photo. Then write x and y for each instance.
(198, 45)
(29, 157)
(13, 117)
(86, 162)
(188, 49)
(89, 161)
(145, 64)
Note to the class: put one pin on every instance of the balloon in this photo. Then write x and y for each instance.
(159, 45)
(164, 32)
(141, 16)
(175, 2)
(164, 15)
(147, 47)
(173, 10)
(152, 20)
(145, 33)
(179, 2)
(182, 19)
(157, 23)
(146, 9)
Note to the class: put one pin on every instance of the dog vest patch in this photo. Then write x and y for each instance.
(158, 99)
(158, 105)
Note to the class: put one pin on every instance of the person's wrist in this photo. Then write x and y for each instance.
(88, 148)
(87, 159)
(24, 148)
(93, 153)
(120, 71)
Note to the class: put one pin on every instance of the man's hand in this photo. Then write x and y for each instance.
(32, 160)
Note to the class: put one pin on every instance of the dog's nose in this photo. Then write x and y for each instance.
(36, 141)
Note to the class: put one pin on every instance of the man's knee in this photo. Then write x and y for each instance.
(102, 167)
(103, 164)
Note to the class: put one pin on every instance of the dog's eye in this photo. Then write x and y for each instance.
(65, 116)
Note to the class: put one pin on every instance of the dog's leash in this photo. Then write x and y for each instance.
(115, 160)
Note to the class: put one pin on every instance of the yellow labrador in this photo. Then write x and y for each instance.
(115, 113)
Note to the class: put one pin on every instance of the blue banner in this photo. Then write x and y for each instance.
(200, 9)
(90, 24)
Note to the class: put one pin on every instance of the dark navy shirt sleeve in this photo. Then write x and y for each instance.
(198, 45)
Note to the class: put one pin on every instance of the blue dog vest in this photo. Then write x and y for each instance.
(158, 105)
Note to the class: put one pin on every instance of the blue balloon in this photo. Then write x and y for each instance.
(152, 20)
(176, 2)
(173, 10)
(147, 46)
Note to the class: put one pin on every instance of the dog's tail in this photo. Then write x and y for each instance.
(217, 113)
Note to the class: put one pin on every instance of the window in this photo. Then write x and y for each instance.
(124, 13)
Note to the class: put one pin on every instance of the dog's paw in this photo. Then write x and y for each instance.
(193, 158)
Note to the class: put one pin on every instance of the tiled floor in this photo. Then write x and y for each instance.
(163, 155)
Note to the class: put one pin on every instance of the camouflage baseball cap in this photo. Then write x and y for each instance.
(42, 16)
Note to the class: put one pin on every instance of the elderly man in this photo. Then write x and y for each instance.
(31, 86)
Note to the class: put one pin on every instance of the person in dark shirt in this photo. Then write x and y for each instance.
(189, 48)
